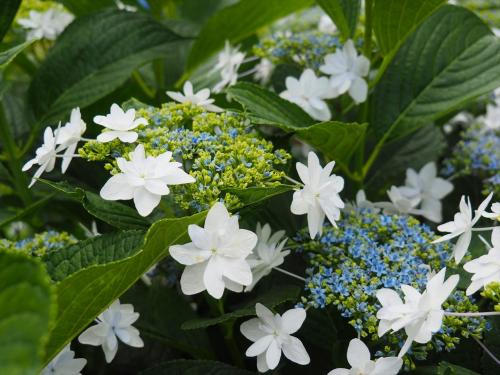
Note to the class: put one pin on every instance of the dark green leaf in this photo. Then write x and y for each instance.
(94, 56)
(267, 108)
(336, 140)
(86, 293)
(7, 56)
(270, 299)
(236, 22)
(27, 211)
(8, 11)
(394, 20)
(450, 59)
(446, 368)
(80, 7)
(194, 367)
(98, 250)
(254, 195)
(344, 13)
(27, 305)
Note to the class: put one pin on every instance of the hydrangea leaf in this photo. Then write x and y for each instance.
(449, 60)
(27, 305)
(7, 56)
(85, 294)
(344, 13)
(80, 7)
(8, 11)
(91, 59)
(236, 22)
(270, 299)
(254, 195)
(194, 367)
(102, 249)
(394, 20)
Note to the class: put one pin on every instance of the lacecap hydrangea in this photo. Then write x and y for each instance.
(220, 150)
(368, 251)
(477, 154)
(40, 244)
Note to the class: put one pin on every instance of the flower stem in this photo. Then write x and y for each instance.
(290, 274)
(472, 314)
(483, 229)
(487, 351)
(293, 181)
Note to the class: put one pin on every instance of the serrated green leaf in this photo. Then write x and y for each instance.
(445, 368)
(7, 56)
(102, 249)
(450, 59)
(336, 140)
(394, 20)
(81, 7)
(27, 211)
(254, 195)
(95, 55)
(8, 11)
(267, 108)
(27, 305)
(86, 293)
(270, 299)
(236, 22)
(344, 13)
(194, 367)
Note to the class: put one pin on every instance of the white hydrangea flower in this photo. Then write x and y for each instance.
(320, 194)
(45, 156)
(216, 257)
(347, 69)
(403, 200)
(462, 225)
(492, 118)
(358, 356)
(46, 25)
(486, 268)
(144, 179)
(263, 71)
(228, 63)
(420, 315)
(495, 212)
(65, 363)
(120, 124)
(68, 137)
(201, 98)
(309, 92)
(268, 253)
(326, 25)
(271, 334)
(113, 324)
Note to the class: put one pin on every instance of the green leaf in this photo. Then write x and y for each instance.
(394, 20)
(254, 195)
(27, 211)
(236, 22)
(27, 305)
(163, 310)
(81, 7)
(85, 294)
(451, 59)
(8, 11)
(194, 367)
(446, 368)
(7, 56)
(344, 13)
(270, 299)
(336, 140)
(102, 249)
(267, 108)
(94, 56)
(114, 213)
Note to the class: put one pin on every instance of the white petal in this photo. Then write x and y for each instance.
(92, 336)
(359, 90)
(200, 237)
(259, 346)
(462, 246)
(340, 371)
(292, 320)
(217, 217)
(261, 363)
(387, 366)
(273, 355)
(145, 202)
(212, 278)
(357, 353)
(128, 137)
(157, 187)
(192, 279)
(294, 350)
(237, 270)
(188, 254)
(250, 329)
(107, 136)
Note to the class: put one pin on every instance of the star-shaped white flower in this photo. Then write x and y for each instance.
(326, 25)
(65, 363)
(267, 254)
(420, 315)
(121, 123)
(320, 194)
(45, 156)
(201, 98)
(144, 179)
(263, 71)
(347, 69)
(271, 334)
(68, 137)
(309, 92)
(495, 212)
(358, 356)
(403, 200)
(492, 118)
(46, 25)
(228, 63)
(486, 268)
(216, 257)
(462, 225)
(113, 324)
(429, 188)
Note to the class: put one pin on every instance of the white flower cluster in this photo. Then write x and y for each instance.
(46, 25)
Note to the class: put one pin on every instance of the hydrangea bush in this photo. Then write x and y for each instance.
(253, 186)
